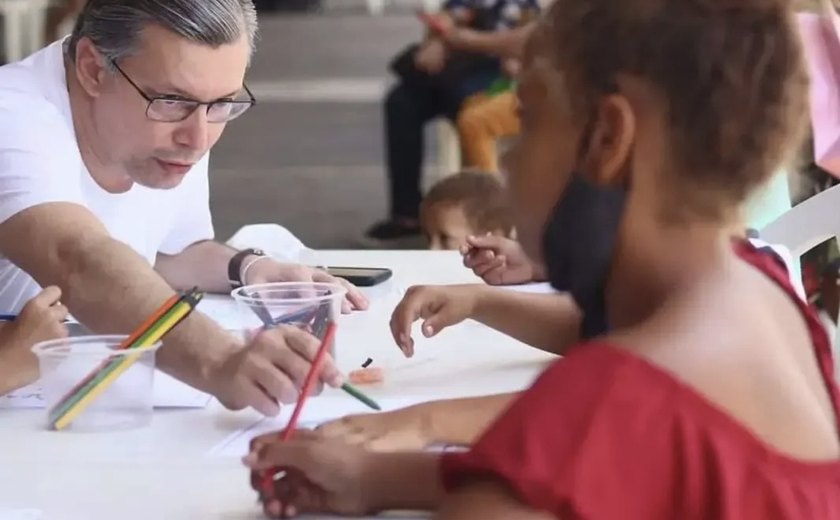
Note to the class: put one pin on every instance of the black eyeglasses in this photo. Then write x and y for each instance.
(173, 109)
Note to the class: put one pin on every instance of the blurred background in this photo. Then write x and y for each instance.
(309, 156)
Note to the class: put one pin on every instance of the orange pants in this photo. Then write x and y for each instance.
(481, 122)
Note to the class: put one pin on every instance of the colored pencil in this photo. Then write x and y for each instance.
(268, 476)
(355, 392)
(163, 309)
(79, 400)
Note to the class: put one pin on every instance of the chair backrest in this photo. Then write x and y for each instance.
(274, 239)
(807, 224)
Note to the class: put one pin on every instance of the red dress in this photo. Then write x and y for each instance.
(604, 434)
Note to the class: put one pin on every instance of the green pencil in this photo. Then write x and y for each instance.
(355, 392)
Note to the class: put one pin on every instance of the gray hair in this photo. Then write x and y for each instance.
(114, 26)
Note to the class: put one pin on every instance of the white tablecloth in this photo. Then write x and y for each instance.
(164, 472)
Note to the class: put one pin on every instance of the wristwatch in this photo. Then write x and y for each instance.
(235, 266)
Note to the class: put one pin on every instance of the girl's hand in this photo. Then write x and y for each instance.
(318, 475)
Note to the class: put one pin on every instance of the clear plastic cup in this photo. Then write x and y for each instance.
(125, 402)
(308, 305)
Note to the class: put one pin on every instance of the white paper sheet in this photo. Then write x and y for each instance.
(168, 393)
(317, 410)
(223, 310)
(21, 514)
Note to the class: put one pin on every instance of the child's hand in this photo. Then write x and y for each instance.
(40, 319)
(439, 306)
(400, 430)
(322, 475)
(500, 261)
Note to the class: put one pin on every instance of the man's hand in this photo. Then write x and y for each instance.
(268, 271)
(431, 57)
(271, 370)
(500, 261)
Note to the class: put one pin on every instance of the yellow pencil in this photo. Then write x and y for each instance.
(181, 310)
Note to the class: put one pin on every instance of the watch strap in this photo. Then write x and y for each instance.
(235, 265)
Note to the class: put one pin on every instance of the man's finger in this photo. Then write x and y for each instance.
(355, 297)
(259, 400)
(282, 375)
(307, 345)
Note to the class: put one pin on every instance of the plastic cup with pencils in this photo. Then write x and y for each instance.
(125, 403)
(311, 306)
(100, 383)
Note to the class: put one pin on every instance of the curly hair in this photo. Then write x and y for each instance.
(731, 71)
(482, 196)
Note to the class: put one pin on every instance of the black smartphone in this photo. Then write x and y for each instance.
(361, 276)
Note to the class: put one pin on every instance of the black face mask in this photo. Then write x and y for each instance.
(578, 244)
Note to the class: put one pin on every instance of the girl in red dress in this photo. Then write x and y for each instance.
(705, 387)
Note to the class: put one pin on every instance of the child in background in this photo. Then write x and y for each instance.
(40, 319)
(704, 388)
(463, 205)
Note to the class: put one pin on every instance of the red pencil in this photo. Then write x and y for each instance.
(268, 476)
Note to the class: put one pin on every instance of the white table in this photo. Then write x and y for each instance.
(162, 472)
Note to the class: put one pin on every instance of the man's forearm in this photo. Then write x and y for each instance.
(111, 289)
(549, 322)
(203, 264)
(462, 421)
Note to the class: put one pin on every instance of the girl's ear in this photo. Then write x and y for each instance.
(610, 144)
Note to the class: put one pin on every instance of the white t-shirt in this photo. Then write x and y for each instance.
(40, 163)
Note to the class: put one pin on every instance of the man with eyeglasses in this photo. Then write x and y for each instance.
(104, 142)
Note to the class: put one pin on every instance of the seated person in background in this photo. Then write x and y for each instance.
(40, 319)
(489, 116)
(463, 205)
(704, 388)
(484, 119)
(433, 82)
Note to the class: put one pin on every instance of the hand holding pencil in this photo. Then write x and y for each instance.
(41, 319)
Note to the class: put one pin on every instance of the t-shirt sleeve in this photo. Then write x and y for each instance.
(39, 159)
(193, 222)
(583, 442)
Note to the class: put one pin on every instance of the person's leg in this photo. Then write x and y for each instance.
(482, 124)
(407, 110)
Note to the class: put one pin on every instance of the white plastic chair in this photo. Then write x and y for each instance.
(807, 225)
(274, 239)
(24, 22)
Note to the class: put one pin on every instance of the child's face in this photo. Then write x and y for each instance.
(548, 151)
(446, 226)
